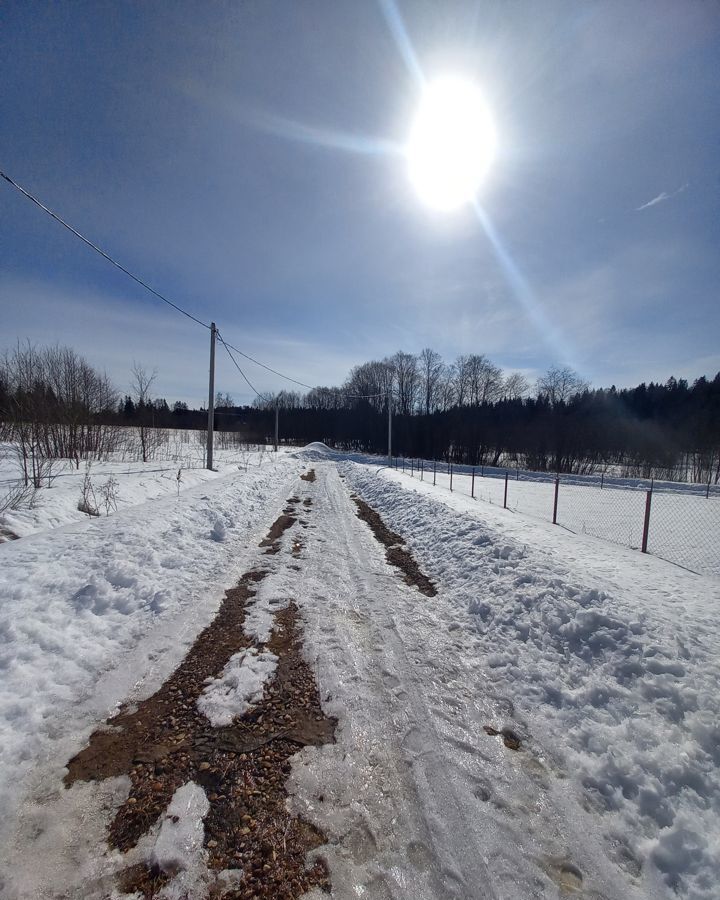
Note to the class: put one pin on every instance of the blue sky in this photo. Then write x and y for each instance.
(238, 156)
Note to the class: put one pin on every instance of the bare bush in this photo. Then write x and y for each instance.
(88, 501)
(201, 439)
(19, 496)
(53, 403)
(109, 494)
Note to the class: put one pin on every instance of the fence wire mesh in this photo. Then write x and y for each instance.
(683, 523)
(611, 514)
(686, 530)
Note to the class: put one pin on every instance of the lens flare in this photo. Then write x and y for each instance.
(452, 143)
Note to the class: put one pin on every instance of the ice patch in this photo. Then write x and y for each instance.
(180, 841)
(178, 849)
(270, 597)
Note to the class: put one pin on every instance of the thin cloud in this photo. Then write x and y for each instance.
(661, 198)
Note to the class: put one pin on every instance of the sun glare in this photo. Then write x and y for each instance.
(452, 143)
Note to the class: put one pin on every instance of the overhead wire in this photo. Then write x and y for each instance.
(310, 387)
(228, 347)
(269, 368)
(99, 250)
(237, 366)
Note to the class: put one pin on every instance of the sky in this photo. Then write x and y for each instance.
(246, 160)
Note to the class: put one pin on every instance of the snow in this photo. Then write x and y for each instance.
(176, 848)
(239, 687)
(611, 667)
(94, 609)
(316, 450)
(604, 662)
(181, 836)
(268, 600)
(136, 482)
(684, 524)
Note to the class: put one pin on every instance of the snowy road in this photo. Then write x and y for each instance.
(606, 670)
(418, 800)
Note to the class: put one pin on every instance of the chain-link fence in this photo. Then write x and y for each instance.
(678, 522)
(686, 530)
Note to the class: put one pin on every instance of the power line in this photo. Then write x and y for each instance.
(235, 363)
(164, 299)
(269, 368)
(97, 249)
(229, 347)
(310, 387)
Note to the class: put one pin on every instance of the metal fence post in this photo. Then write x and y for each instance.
(472, 489)
(646, 523)
(517, 474)
(422, 470)
(403, 459)
(451, 476)
(602, 480)
(434, 471)
(557, 491)
(482, 471)
(707, 492)
(505, 498)
(412, 468)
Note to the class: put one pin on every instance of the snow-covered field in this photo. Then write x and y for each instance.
(604, 662)
(135, 482)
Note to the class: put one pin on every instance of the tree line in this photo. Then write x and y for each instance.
(468, 411)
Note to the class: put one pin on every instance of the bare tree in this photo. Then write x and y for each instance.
(223, 401)
(54, 402)
(431, 371)
(141, 383)
(289, 400)
(460, 379)
(484, 380)
(558, 385)
(371, 381)
(324, 398)
(515, 386)
(407, 379)
(446, 397)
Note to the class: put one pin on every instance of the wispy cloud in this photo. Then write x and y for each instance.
(661, 198)
(48, 312)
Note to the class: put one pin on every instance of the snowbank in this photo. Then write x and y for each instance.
(315, 450)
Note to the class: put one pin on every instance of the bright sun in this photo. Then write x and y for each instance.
(452, 143)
